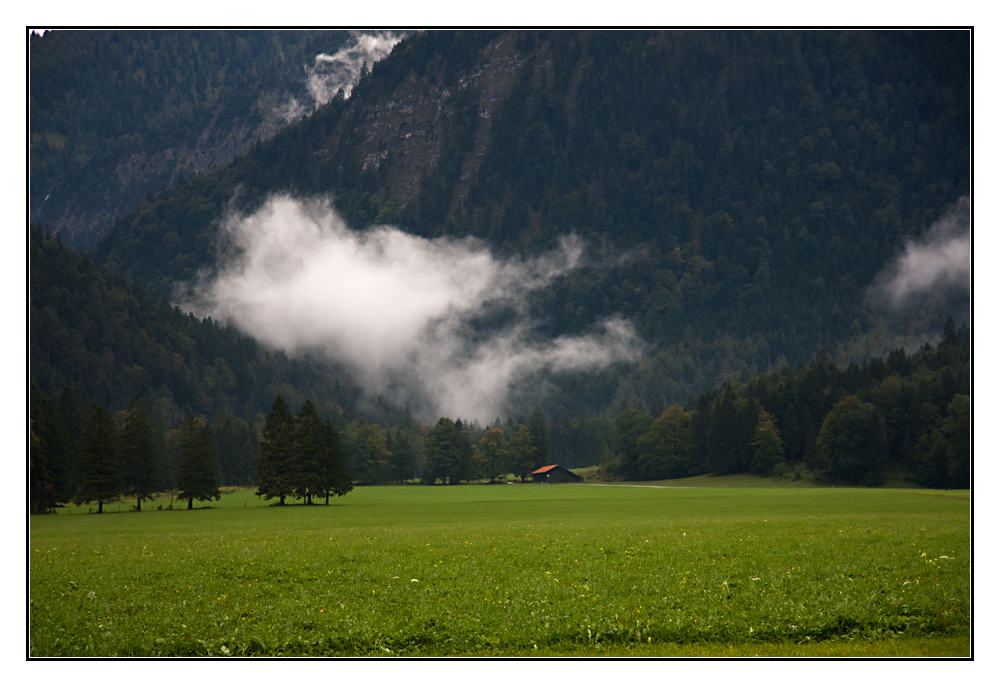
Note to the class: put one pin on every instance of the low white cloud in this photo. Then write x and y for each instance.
(932, 268)
(396, 309)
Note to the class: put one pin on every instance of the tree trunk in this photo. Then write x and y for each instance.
(138, 503)
(328, 499)
(282, 499)
(100, 506)
(190, 504)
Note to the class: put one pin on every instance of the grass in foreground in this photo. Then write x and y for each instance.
(512, 570)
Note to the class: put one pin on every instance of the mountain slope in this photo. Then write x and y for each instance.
(758, 182)
(94, 330)
(117, 115)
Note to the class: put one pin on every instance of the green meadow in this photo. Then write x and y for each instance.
(511, 570)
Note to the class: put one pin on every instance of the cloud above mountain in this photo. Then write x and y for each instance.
(330, 73)
(405, 314)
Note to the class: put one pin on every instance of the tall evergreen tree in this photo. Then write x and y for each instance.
(958, 430)
(99, 477)
(276, 468)
(767, 448)
(312, 453)
(337, 476)
(403, 463)
(198, 470)
(445, 453)
(540, 438)
(51, 469)
(38, 472)
(370, 456)
(135, 444)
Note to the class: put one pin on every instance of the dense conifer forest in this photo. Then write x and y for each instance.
(738, 194)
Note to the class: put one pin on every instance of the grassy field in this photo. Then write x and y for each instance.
(512, 570)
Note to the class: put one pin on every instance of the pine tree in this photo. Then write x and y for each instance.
(958, 431)
(540, 438)
(446, 454)
(404, 457)
(276, 468)
(135, 445)
(370, 462)
(337, 476)
(100, 474)
(767, 448)
(312, 453)
(198, 470)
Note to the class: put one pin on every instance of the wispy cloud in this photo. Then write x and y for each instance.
(330, 73)
(932, 268)
(398, 310)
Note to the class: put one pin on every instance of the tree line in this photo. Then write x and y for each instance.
(81, 453)
(908, 414)
(852, 424)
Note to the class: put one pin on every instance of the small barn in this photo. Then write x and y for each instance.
(553, 474)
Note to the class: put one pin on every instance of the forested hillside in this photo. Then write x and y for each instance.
(757, 181)
(742, 198)
(117, 115)
(94, 330)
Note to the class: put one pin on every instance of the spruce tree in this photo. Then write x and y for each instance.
(276, 467)
(540, 438)
(445, 453)
(337, 474)
(404, 457)
(135, 447)
(100, 474)
(198, 470)
(311, 453)
(767, 447)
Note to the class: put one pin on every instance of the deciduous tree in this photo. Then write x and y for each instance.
(494, 451)
(851, 445)
(664, 452)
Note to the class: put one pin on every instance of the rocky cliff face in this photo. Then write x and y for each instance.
(411, 125)
(80, 218)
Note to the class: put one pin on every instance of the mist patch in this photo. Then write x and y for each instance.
(397, 309)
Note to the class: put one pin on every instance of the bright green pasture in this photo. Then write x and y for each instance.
(512, 570)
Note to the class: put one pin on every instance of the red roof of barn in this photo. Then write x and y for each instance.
(545, 469)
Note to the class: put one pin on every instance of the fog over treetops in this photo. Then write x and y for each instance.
(398, 309)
